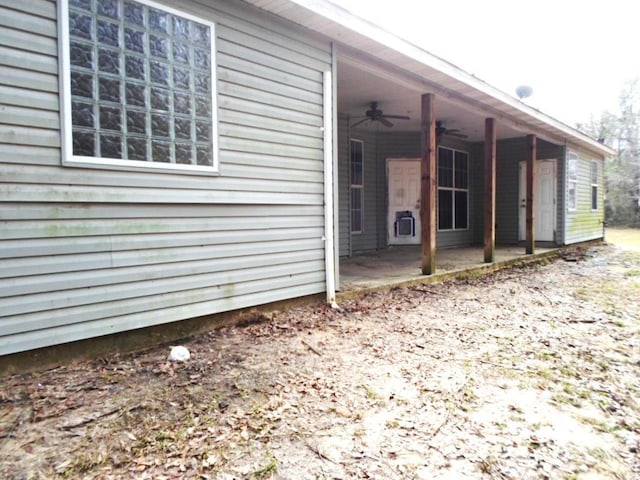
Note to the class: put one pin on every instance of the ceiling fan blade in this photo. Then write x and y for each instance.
(385, 122)
(454, 134)
(399, 117)
(360, 122)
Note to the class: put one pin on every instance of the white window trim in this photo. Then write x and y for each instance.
(64, 68)
(594, 164)
(454, 189)
(360, 187)
(572, 157)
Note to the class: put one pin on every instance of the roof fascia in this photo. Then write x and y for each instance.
(349, 22)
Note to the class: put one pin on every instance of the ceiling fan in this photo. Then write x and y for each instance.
(441, 130)
(374, 114)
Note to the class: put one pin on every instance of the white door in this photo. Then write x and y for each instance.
(403, 218)
(544, 200)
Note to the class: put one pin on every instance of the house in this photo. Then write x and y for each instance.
(161, 161)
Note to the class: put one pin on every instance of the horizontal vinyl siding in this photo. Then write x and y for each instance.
(476, 208)
(88, 252)
(407, 145)
(509, 154)
(198, 303)
(583, 223)
(367, 240)
(391, 145)
(378, 148)
(344, 199)
(561, 196)
(458, 238)
(548, 151)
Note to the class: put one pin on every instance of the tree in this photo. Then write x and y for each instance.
(621, 131)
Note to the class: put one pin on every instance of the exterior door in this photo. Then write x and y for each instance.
(544, 200)
(403, 217)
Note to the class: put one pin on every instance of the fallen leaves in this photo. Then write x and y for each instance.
(521, 374)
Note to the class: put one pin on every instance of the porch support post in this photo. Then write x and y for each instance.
(489, 190)
(428, 185)
(530, 225)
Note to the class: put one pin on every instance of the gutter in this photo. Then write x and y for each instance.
(365, 37)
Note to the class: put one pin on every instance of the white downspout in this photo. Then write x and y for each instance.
(336, 183)
(565, 193)
(329, 249)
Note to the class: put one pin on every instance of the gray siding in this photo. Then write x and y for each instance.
(583, 223)
(344, 199)
(88, 252)
(378, 148)
(476, 210)
(391, 145)
(368, 239)
(509, 154)
(407, 145)
(458, 238)
(561, 198)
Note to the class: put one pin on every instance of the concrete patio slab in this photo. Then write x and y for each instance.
(400, 266)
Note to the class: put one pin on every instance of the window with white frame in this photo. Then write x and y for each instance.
(357, 184)
(572, 181)
(453, 189)
(594, 185)
(138, 86)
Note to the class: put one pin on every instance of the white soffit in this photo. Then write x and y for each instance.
(355, 33)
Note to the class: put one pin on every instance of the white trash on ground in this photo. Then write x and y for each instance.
(179, 354)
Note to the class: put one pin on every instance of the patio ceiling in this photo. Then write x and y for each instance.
(361, 82)
(463, 100)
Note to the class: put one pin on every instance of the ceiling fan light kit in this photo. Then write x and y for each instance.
(441, 130)
(374, 114)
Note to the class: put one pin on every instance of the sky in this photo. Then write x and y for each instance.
(576, 55)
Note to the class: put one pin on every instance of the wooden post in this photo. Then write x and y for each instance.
(428, 185)
(531, 214)
(489, 190)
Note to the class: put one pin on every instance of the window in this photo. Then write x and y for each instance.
(453, 189)
(138, 86)
(357, 184)
(572, 181)
(594, 185)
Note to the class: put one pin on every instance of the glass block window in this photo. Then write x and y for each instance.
(453, 189)
(141, 84)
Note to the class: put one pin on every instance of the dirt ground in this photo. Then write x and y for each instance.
(525, 374)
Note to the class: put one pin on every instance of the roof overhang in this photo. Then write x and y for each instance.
(353, 34)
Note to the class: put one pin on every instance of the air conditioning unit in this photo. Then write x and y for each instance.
(405, 224)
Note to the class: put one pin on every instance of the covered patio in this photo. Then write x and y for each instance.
(423, 173)
(427, 157)
(401, 266)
